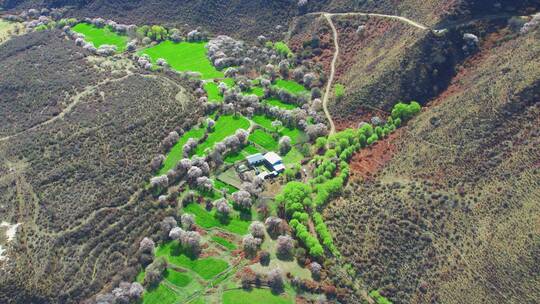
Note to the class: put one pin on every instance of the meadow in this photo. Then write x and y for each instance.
(256, 90)
(100, 36)
(159, 295)
(291, 86)
(280, 104)
(231, 158)
(225, 125)
(212, 91)
(257, 295)
(208, 219)
(263, 139)
(221, 185)
(177, 151)
(185, 56)
(206, 268)
(223, 242)
(266, 122)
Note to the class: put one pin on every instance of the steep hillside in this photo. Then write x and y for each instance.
(78, 182)
(452, 217)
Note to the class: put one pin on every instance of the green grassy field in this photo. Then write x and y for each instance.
(293, 157)
(100, 36)
(221, 185)
(177, 151)
(291, 86)
(159, 295)
(280, 104)
(177, 278)
(206, 268)
(212, 91)
(240, 155)
(264, 140)
(226, 125)
(185, 56)
(255, 91)
(263, 121)
(254, 296)
(140, 277)
(266, 122)
(208, 220)
(224, 242)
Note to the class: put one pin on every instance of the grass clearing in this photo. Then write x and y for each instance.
(293, 157)
(263, 121)
(266, 122)
(159, 295)
(232, 158)
(208, 219)
(212, 91)
(206, 268)
(256, 295)
(177, 151)
(254, 91)
(223, 242)
(280, 104)
(185, 56)
(100, 36)
(179, 279)
(291, 86)
(225, 125)
(222, 185)
(263, 139)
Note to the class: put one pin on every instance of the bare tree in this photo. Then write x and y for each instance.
(275, 280)
(256, 229)
(191, 241)
(166, 225)
(176, 233)
(285, 245)
(250, 244)
(147, 245)
(316, 130)
(170, 140)
(242, 198)
(223, 208)
(154, 271)
(315, 269)
(194, 173)
(205, 183)
(274, 225)
(159, 181)
(187, 221)
(156, 162)
(284, 145)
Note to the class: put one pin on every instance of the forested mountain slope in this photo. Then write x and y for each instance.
(79, 181)
(452, 216)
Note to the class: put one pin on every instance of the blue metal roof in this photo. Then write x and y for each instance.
(255, 158)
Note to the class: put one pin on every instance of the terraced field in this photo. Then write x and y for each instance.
(184, 57)
(100, 36)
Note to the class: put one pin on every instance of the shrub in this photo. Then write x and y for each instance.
(282, 49)
(373, 138)
(405, 111)
(339, 90)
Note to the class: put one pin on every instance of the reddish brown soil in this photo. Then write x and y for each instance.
(353, 119)
(366, 163)
(326, 45)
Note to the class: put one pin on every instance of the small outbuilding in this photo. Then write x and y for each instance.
(255, 159)
(275, 162)
(271, 160)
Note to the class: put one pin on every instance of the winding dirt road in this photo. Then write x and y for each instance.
(328, 17)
